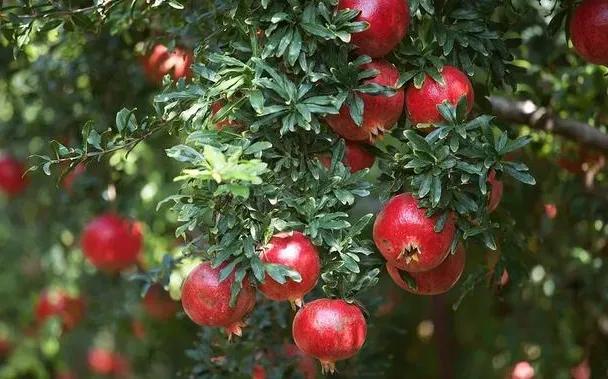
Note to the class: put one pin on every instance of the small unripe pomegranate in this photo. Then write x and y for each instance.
(206, 300)
(329, 330)
(158, 304)
(111, 243)
(12, 180)
(496, 190)
(436, 281)
(380, 113)
(356, 157)
(161, 62)
(294, 251)
(421, 104)
(388, 23)
(58, 303)
(589, 31)
(406, 236)
(306, 364)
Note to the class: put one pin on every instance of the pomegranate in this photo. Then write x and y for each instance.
(388, 23)
(589, 31)
(550, 211)
(522, 370)
(101, 361)
(158, 304)
(258, 372)
(356, 157)
(12, 180)
(5, 347)
(225, 123)
(496, 190)
(405, 235)
(72, 176)
(436, 281)
(581, 370)
(329, 330)
(421, 104)
(58, 303)
(295, 251)
(206, 300)
(111, 243)
(161, 62)
(305, 363)
(380, 113)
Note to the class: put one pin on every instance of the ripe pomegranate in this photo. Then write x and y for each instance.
(12, 180)
(161, 62)
(329, 330)
(58, 303)
(496, 190)
(295, 251)
(522, 370)
(356, 157)
(380, 113)
(421, 104)
(551, 211)
(258, 372)
(305, 363)
(206, 300)
(581, 370)
(436, 281)
(589, 31)
(158, 304)
(388, 23)
(111, 243)
(405, 235)
(70, 177)
(101, 361)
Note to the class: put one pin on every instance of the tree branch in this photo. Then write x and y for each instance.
(528, 113)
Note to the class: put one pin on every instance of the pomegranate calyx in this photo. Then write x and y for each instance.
(328, 367)
(235, 329)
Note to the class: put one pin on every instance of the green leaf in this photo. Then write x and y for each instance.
(280, 273)
(125, 119)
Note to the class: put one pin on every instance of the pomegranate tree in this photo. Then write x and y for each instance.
(421, 103)
(406, 236)
(589, 31)
(158, 304)
(12, 179)
(58, 303)
(111, 243)
(388, 22)
(294, 251)
(206, 299)
(380, 112)
(436, 281)
(329, 330)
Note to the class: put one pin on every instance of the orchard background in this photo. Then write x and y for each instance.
(157, 135)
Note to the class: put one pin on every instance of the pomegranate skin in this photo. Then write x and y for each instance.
(436, 281)
(589, 31)
(496, 191)
(12, 181)
(161, 62)
(356, 157)
(100, 361)
(295, 251)
(111, 243)
(206, 300)
(380, 113)
(388, 24)
(406, 237)
(329, 330)
(158, 304)
(58, 303)
(421, 104)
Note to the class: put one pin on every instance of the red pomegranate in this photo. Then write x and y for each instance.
(101, 361)
(522, 370)
(380, 113)
(12, 179)
(5, 347)
(581, 370)
(305, 363)
(161, 62)
(436, 281)
(70, 177)
(206, 300)
(550, 211)
(158, 304)
(496, 190)
(58, 303)
(406, 236)
(589, 31)
(421, 104)
(258, 372)
(329, 330)
(356, 157)
(111, 243)
(295, 251)
(388, 23)
(225, 123)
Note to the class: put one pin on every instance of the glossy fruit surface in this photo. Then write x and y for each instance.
(380, 113)
(406, 236)
(589, 31)
(388, 24)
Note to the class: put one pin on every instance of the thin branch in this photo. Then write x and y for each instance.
(528, 113)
